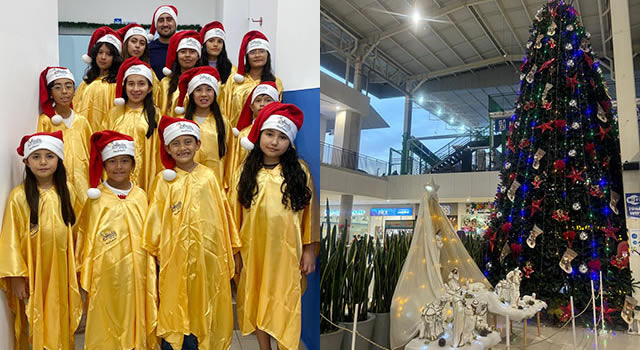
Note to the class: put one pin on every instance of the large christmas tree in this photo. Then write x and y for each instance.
(558, 215)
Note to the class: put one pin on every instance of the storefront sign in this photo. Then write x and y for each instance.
(633, 205)
(399, 224)
(502, 125)
(391, 212)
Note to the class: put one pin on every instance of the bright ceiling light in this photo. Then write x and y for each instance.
(415, 16)
(420, 99)
(452, 120)
(337, 108)
(439, 112)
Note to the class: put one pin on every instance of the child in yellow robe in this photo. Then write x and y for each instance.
(214, 54)
(183, 54)
(94, 97)
(37, 267)
(136, 115)
(190, 232)
(118, 275)
(201, 85)
(57, 88)
(276, 215)
(135, 43)
(262, 95)
(254, 67)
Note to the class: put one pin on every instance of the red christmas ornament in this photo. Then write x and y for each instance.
(569, 236)
(552, 43)
(528, 269)
(545, 65)
(546, 105)
(528, 105)
(594, 265)
(596, 191)
(510, 144)
(610, 231)
(606, 311)
(603, 132)
(545, 126)
(572, 82)
(512, 176)
(588, 59)
(506, 227)
(516, 249)
(559, 165)
(560, 215)
(524, 143)
(606, 104)
(535, 206)
(590, 148)
(575, 176)
(566, 312)
(561, 124)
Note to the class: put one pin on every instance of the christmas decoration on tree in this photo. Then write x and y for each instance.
(557, 210)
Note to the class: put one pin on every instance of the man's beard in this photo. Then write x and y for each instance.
(166, 36)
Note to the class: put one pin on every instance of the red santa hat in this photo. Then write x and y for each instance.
(132, 65)
(51, 141)
(246, 116)
(132, 29)
(103, 35)
(284, 117)
(105, 145)
(169, 129)
(193, 78)
(251, 41)
(213, 29)
(170, 9)
(47, 103)
(186, 39)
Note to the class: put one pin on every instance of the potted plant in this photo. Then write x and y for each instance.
(333, 249)
(357, 279)
(389, 256)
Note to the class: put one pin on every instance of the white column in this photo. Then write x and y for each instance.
(627, 115)
(346, 207)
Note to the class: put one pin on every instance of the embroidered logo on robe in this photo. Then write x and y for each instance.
(175, 208)
(33, 229)
(108, 236)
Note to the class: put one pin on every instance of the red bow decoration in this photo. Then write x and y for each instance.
(528, 105)
(506, 227)
(590, 148)
(588, 59)
(561, 124)
(594, 265)
(566, 312)
(535, 205)
(536, 183)
(528, 269)
(560, 215)
(545, 65)
(546, 105)
(572, 82)
(596, 191)
(524, 143)
(510, 145)
(516, 249)
(559, 165)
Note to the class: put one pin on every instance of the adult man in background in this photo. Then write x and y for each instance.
(165, 22)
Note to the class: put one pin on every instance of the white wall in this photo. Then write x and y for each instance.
(35, 47)
(98, 11)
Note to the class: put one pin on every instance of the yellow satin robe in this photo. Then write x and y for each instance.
(222, 92)
(133, 122)
(190, 231)
(94, 101)
(119, 276)
(76, 150)
(271, 284)
(208, 154)
(45, 256)
(236, 95)
(238, 155)
(162, 100)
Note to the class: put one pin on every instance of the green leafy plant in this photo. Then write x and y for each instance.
(475, 245)
(358, 275)
(333, 261)
(389, 256)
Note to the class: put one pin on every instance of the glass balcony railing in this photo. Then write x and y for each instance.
(344, 158)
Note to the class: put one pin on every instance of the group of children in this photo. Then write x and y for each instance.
(153, 196)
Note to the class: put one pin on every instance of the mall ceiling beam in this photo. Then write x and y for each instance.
(463, 35)
(526, 11)
(510, 25)
(483, 78)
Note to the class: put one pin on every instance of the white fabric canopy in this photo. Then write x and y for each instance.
(421, 280)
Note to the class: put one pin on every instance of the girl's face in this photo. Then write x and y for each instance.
(273, 143)
(258, 58)
(43, 163)
(119, 169)
(259, 103)
(137, 87)
(187, 58)
(214, 47)
(62, 91)
(136, 45)
(204, 95)
(182, 149)
(104, 58)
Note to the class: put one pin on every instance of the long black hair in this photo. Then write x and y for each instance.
(217, 115)
(176, 72)
(223, 65)
(33, 195)
(147, 106)
(295, 192)
(267, 75)
(125, 51)
(93, 71)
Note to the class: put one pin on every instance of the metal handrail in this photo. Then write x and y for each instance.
(349, 159)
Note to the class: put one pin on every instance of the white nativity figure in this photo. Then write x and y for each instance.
(469, 323)
(458, 338)
(429, 325)
(480, 310)
(453, 282)
(513, 278)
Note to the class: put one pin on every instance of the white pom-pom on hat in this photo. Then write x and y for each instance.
(236, 132)
(169, 175)
(238, 78)
(246, 144)
(150, 36)
(93, 193)
(166, 71)
(179, 110)
(119, 101)
(86, 59)
(56, 119)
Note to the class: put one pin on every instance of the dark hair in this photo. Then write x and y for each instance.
(295, 192)
(147, 106)
(267, 75)
(145, 53)
(215, 109)
(50, 86)
(176, 72)
(93, 71)
(223, 65)
(33, 195)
